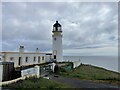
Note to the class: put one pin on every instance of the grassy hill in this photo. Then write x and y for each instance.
(89, 72)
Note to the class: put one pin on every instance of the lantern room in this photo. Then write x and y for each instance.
(57, 27)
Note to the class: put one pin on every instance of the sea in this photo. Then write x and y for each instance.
(107, 62)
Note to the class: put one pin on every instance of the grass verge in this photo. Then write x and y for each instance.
(36, 83)
(89, 72)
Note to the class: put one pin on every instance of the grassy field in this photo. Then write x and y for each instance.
(88, 72)
(36, 83)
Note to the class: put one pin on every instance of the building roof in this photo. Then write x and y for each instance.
(24, 53)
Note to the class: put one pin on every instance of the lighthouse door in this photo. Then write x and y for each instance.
(54, 54)
(19, 61)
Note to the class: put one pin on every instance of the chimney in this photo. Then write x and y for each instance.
(21, 49)
(37, 50)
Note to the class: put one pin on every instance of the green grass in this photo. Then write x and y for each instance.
(88, 72)
(34, 82)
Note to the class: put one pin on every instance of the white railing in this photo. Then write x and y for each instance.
(30, 71)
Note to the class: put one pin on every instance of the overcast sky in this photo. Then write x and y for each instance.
(88, 28)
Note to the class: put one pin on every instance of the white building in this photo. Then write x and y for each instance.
(22, 58)
(57, 42)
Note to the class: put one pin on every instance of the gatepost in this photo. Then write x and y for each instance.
(37, 69)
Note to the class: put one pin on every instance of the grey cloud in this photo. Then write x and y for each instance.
(83, 24)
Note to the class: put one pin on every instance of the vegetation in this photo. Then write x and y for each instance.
(83, 72)
(88, 72)
(63, 67)
(34, 82)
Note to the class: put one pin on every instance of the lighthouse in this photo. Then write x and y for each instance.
(57, 52)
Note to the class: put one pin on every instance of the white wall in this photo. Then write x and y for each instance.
(57, 45)
(15, 60)
(23, 56)
(76, 64)
(47, 58)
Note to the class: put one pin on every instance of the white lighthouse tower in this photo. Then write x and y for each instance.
(57, 42)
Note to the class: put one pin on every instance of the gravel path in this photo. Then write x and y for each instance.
(75, 83)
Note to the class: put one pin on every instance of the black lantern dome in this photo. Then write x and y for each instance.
(56, 27)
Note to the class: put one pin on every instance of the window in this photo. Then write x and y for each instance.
(26, 59)
(11, 58)
(59, 28)
(39, 59)
(34, 59)
(54, 28)
(55, 52)
(55, 39)
(42, 57)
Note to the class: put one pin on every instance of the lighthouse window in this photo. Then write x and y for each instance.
(54, 38)
(59, 29)
(53, 28)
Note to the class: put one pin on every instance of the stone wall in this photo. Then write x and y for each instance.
(6, 71)
(76, 64)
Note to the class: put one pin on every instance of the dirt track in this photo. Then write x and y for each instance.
(75, 83)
